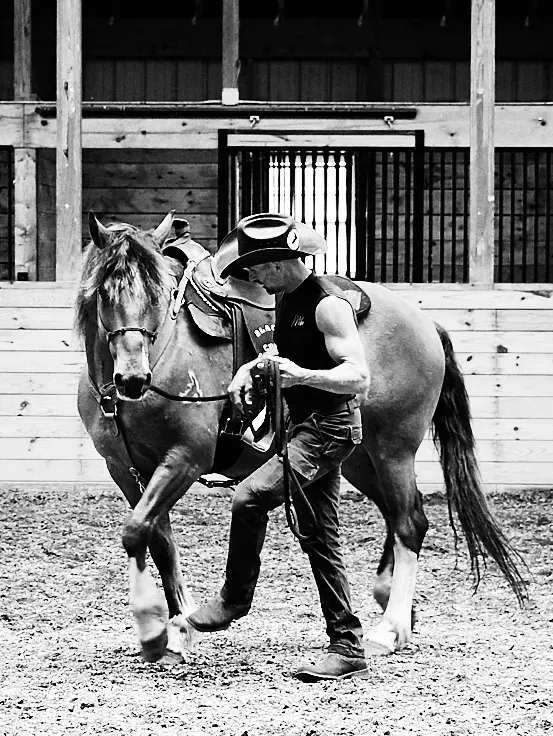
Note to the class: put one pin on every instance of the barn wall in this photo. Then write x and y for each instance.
(411, 59)
(6, 172)
(46, 214)
(311, 80)
(140, 187)
(307, 80)
(503, 341)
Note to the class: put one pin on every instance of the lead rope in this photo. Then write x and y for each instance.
(293, 491)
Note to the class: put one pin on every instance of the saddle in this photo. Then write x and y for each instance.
(236, 310)
(231, 309)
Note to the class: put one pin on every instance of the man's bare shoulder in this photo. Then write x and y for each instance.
(334, 314)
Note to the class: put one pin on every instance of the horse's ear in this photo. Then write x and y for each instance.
(164, 229)
(98, 233)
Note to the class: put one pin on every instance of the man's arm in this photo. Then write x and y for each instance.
(334, 317)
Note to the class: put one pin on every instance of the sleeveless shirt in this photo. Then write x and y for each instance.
(298, 338)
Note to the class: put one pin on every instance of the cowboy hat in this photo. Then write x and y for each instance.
(267, 237)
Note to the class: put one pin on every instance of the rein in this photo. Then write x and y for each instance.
(179, 397)
(268, 383)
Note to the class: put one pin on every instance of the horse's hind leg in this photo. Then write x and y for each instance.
(407, 526)
(390, 483)
(360, 472)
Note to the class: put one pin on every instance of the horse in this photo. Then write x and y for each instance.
(155, 447)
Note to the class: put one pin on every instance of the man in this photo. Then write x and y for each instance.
(323, 369)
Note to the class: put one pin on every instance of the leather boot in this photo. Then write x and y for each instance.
(216, 615)
(333, 666)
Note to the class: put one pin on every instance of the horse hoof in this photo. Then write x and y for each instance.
(182, 636)
(170, 658)
(377, 649)
(381, 643)
(154, 649)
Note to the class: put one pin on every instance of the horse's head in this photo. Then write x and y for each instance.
(124, 295)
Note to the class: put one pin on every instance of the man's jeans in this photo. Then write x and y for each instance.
(317, 447)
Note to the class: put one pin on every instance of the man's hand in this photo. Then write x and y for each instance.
(240, 388)
(291, 374)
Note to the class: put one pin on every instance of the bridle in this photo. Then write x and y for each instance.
(111, 334)
(159, 337)
(121, 331)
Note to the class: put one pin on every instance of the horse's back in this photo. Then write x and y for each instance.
(406, 363)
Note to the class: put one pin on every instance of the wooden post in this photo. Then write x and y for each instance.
(25, 192)
(482, 100)
(231, 58)
(22, 85)
(25, 214)
(69, 140)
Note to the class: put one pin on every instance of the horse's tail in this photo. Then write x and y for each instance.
(454, 440)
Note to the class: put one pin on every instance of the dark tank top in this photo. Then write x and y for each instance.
(298, 338)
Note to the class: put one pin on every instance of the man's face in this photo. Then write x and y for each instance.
(269, 275)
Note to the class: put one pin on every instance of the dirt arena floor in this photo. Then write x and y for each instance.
(477, 665)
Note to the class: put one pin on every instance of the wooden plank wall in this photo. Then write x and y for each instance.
(132, 80)
(309, 80)
(503, 340)
(5, 172)
(137, 186)
(140, 186)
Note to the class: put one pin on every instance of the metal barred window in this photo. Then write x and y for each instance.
(398, 215)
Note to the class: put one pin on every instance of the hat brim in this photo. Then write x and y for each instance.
(227, 260)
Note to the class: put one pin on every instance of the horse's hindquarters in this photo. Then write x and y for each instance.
(406, 362)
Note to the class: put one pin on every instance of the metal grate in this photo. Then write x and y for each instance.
(446, 215)
(399, 215)
(524, 193)
(363, 201)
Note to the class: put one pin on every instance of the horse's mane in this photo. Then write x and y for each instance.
(130, 263)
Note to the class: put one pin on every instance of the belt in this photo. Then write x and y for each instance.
(349, 406)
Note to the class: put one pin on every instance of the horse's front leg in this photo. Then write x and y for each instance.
(165, 554)
(162, 546)
(180, 601)
(148, 527)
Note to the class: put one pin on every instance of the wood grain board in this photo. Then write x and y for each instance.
(503, 340)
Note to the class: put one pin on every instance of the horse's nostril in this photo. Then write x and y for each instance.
(118, 380)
